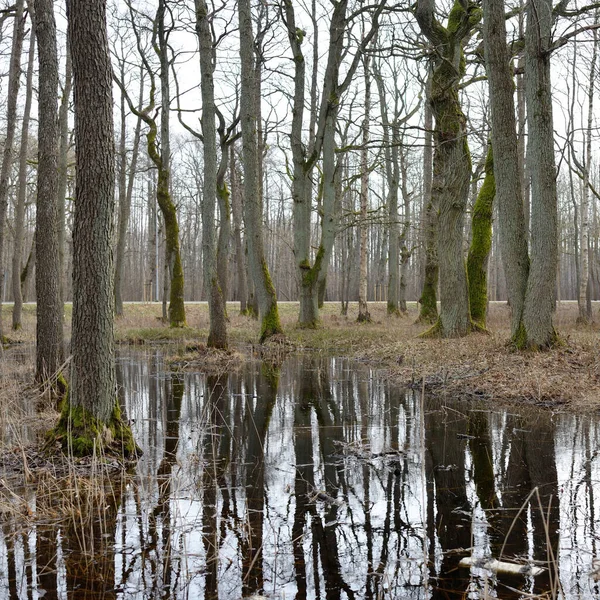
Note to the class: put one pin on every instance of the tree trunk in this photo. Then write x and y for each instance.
(390, 135)
(125, 194)
(49, 322)
(584, 298)
(22, 187)
(540, 294)
(217, 335)
(405, 252)
(14, 75)
(511, 219)
(91, 419)
(428, 312)
(63, 170)
(265, 290)
(363, 309)
(481, 244)
(240, 255)
(452, 161)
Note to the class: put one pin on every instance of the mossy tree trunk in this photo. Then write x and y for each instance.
(481, 244)
(265, 290)
(428, 312)
(452, 161)
(49, 322)
(14, 76)
(19, 223)
(312, 278)
(91, 417)
(160, 156)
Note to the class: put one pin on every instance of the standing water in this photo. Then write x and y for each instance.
(321, 480)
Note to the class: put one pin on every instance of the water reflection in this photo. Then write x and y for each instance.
(319, 480)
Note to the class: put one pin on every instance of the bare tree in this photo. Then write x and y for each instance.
(125, 189)
(14, 74)
(159, 153)
(265, 290)
(22, 186)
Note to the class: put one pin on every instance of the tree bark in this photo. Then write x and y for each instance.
(14, 74)
(428, 312)
(540, 294)
(511, 219)
(392, 174)
(265, 290)
(49, 322)
(91, 418)
(63, 170)
(240, 255)
(584, 297)
(22, 186)
(481, 244)
(125, 194)
(217, 335)
(452, 161)
(363, 308)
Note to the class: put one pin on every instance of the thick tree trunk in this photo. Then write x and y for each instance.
(511, 220)
(91, 418)
(452, 161)
(14, 74)
(49, 322)
(22, 188)
(217, 335)
(481, 244)
(265, 290)
(540, 294)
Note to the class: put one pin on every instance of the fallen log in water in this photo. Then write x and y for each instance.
(500, 566)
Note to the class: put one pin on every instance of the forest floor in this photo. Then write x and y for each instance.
(480, 366)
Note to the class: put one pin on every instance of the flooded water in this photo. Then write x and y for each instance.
(320, 480)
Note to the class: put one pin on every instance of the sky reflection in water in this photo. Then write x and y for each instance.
(316, 480)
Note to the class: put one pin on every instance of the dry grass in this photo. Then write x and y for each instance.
(479, 365)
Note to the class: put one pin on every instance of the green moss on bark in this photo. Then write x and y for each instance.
(428, 312)
(271, 324)
(481, 244)
(79, 433)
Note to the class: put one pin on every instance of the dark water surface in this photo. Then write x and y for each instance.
(320, 480)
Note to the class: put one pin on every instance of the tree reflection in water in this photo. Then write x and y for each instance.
(314, 480)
